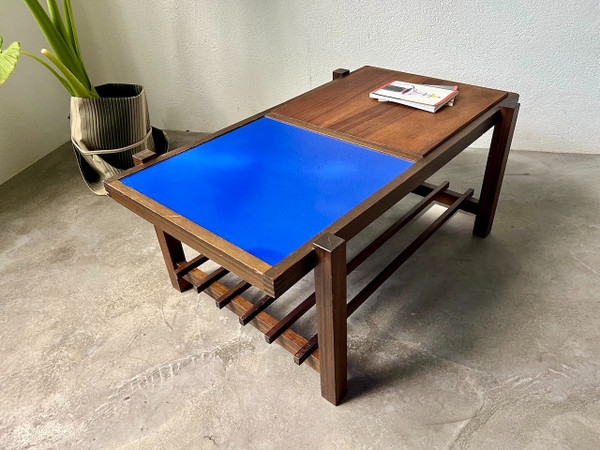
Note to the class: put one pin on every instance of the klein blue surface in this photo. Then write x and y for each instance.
(267, 187)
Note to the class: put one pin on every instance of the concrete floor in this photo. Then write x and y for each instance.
(475, 343)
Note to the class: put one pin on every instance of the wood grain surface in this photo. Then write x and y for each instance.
(345, 107)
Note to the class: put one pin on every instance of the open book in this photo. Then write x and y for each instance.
(421, 96)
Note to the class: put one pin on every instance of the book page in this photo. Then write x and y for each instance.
(412, 92)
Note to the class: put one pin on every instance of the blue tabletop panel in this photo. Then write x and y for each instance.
(267, 187)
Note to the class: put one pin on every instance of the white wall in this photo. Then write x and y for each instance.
(207, 64)
(33, 105)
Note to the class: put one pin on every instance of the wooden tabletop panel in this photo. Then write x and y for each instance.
(345, 107)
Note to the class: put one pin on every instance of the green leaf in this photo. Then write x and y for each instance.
(56, 18)
(8, 59)
(74, 40)
(70, 27)
(63, 50)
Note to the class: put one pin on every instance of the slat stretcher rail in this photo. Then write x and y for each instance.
(312, 344)
(307, 304)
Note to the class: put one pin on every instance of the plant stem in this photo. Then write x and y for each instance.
(78, 87)
(64, 82)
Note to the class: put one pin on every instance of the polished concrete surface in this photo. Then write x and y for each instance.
(473, 343)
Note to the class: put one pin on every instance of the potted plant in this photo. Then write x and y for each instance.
(109, 123)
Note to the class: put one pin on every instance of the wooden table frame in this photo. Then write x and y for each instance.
(326, 351)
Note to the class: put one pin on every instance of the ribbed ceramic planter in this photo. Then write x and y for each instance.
(106, 132)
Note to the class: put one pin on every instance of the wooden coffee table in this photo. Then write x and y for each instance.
(279, 194)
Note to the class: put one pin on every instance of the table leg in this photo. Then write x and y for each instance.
(172, 251)
(496, 163)
(330, 291)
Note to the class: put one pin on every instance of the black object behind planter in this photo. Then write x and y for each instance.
(106, 132)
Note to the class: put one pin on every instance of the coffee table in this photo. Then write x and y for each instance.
(279, 194)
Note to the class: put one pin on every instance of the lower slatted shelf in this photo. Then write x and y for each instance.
(306, 350)
(289, 339)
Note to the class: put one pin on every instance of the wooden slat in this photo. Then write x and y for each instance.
(309, 302)
(307, 349)
(259, 306)
(395, 227)
(184, 268)
(202, 284)
(289, 339)
(374, 284)
(447, 197)
(238, 289)
(290, 319)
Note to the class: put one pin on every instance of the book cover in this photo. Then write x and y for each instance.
(450, 87)
(414, 93)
